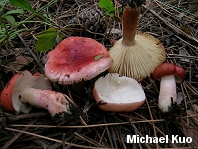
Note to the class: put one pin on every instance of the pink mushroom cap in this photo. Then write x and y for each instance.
(76, 58)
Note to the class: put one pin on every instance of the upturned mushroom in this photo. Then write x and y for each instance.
(169, 74)
(118, 94)
(75, 59)
(136, 54)
(25, 90)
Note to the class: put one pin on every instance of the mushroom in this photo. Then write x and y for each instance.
(25, 90)
(136, 54)
(169, 74)
(118, 94)
(76, 58)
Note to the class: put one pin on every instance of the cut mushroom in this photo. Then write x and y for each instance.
(25, 90)
(136, 54)
(118, 94)
(168, 74)
(77, 58)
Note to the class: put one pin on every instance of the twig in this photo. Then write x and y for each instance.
(102, 136)
(85, 138)
(108, 133)
(23, 116)
(71, 101)
(156, 129)
(151, 116)
(63, 140)
(31, 52)
(139, 133)
(182, 56)
(51, 139)
(114, 136)
(177, 30)
(88, 126)
(16, 136)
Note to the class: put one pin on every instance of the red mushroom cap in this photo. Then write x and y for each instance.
(180, 74)
(6, 95)
(166, 69)
(77, 58)
(162, 70)
(10, 95)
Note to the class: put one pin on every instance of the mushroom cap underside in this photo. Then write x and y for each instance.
(118, 94)
(139, 60)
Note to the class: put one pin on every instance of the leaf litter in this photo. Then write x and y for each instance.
(174, 23)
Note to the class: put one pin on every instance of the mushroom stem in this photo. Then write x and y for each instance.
(167, 92)
(129, 25)
(52, 101)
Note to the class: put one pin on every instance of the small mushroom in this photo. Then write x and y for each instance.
(118, 94)
(25, 90)
(169, 74)
(75, 59)
(136, 54)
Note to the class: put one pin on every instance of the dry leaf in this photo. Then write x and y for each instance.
(183, 52)
(195, 107)
(19, 63)
(180, 97)
(185, 29)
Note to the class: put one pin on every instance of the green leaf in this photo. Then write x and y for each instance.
(2, 2)
(117, 18)
(98, 57)
(13, 33)
(2, 39)
(10, 19)
(46, 40)
(60, 36)
(24, 4)
(107, 5)
(16, 11)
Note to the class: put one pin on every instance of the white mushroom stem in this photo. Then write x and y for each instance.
(52, 101)
(167, 92)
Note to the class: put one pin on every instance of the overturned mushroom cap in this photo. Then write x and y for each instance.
(139, 60)
(118, 94)
(10, 95)
(77, 58)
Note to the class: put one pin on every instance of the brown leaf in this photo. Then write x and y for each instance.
(19, 63)
(185, 29)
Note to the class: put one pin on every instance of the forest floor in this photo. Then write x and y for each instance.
(173, 22)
